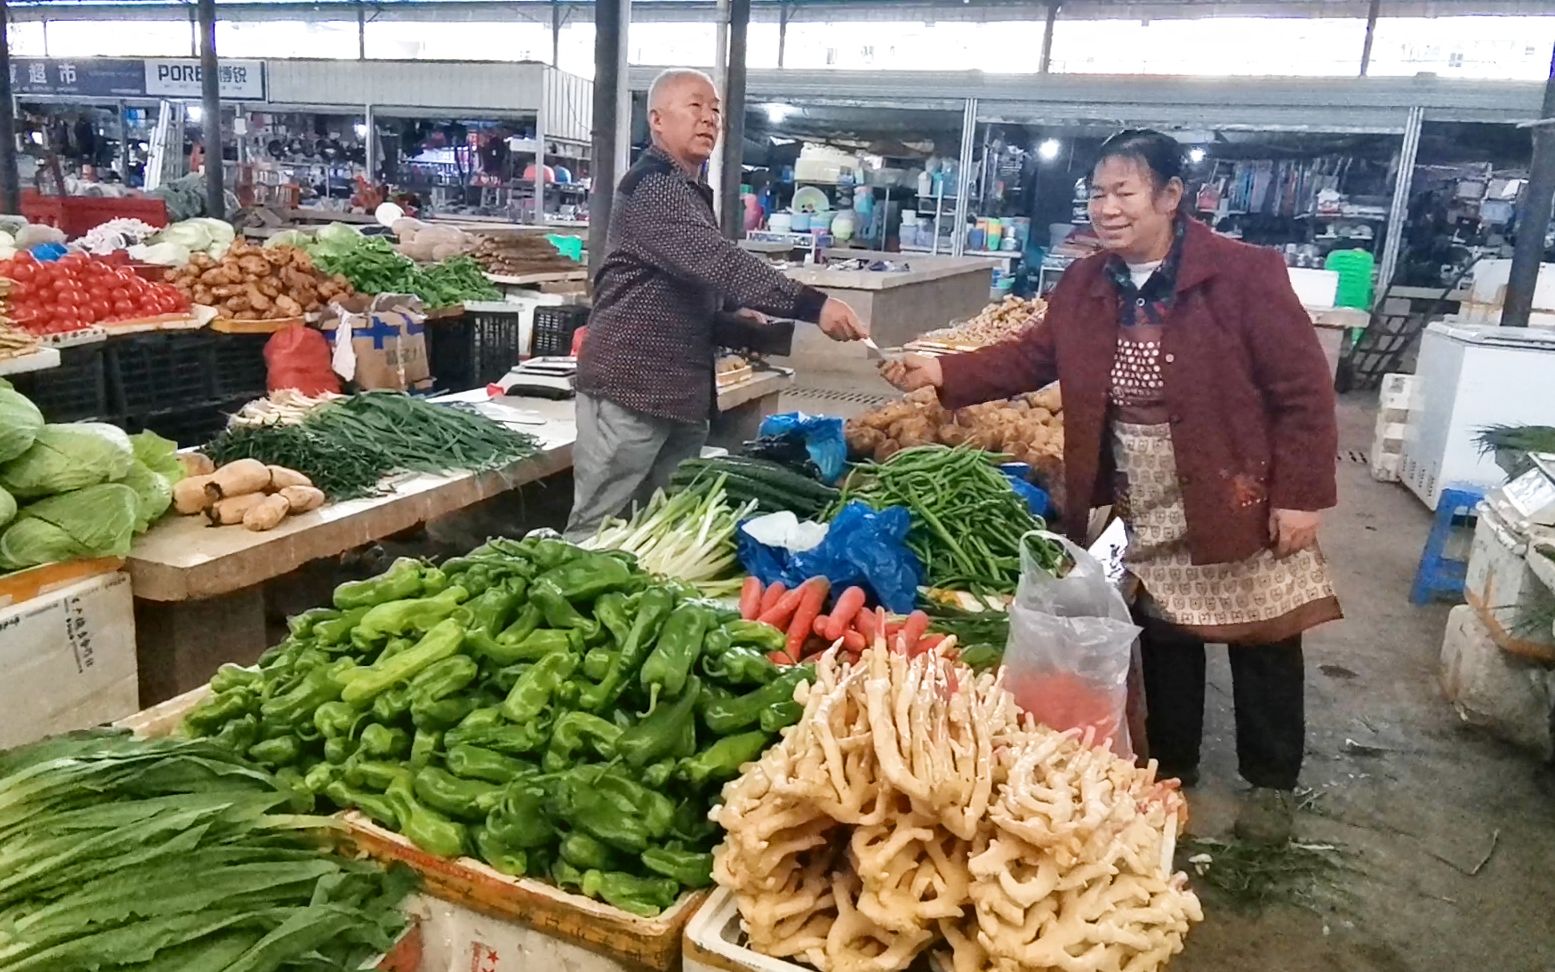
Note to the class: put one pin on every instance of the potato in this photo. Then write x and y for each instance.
(238, 478)
(303, 498)
(196, 463)
(281, 477)
(232, 509)
(189, 496)
(267, 513)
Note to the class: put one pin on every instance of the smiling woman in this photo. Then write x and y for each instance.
(1197, 403)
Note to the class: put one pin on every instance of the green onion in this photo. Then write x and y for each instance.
(690, 535)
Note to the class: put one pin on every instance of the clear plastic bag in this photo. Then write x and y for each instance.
(1070, 648)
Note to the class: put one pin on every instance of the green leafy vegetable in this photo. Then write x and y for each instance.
(20, 421)
(153, 494)
(97, 521)
(66, 457)
(118, 854)
(374, 267)
(158, 454)
(7, 508)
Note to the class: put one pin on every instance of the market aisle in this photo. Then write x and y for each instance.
(1396, 777)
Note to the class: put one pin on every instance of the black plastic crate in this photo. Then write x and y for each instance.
(448, 353)
(239, 366)
(554, 327)
(160, 372)
(190, 425)
(76, 391)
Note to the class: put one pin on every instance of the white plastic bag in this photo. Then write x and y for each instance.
(1071, 643)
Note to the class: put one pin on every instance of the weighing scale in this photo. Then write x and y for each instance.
(541, 378)
(1527, 503)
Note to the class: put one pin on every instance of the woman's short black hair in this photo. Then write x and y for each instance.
(1156, 151)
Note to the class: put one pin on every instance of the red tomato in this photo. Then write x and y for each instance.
(22, 271)
(123, 307)
(99, 309)
(25, 256)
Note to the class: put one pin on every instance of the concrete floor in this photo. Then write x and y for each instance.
(1413, 796)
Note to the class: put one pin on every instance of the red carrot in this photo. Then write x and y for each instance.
(812, 597)
(780, 658)
(822, 623)
(782, 612)
(848, 605)
(750, 598)
(913, 628)
(867, 625)
(853, 641)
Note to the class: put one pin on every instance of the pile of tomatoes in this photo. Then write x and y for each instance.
(78, 290)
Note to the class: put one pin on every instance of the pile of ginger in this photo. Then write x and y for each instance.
(252, 283)
(912, 808)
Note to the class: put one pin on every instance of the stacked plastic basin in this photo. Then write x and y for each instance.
(1355, 269)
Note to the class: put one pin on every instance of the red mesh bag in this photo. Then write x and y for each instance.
(298, 357)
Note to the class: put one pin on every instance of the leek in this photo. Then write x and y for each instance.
(690, 536)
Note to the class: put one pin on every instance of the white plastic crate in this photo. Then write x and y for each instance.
(712, 942)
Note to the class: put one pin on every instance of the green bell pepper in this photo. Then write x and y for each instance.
(680, 643)
(739, 666)
(661, 732)
(596, 663)
(231, 676)
(584, 852)
(334, 719)
(572, 731)
(658, 774)
(689, 824)
(402, 580)
(300, 626)
(533, 690)
(690, 869)
(510, 740)
(560, 613)
(587, 576)
(743, 711)
(276, 752)
(391, 703)
(337, 631)
(369, 773)
(640, 896)
(416, 614)
(460, 798)
(238, 734)
(653, 608)
(538, 644)
(375, 805)
(378, 740)
(754, 634)
(498, 855)
(339, 749)
(477, 763)
(614, 611)
(320, 776)
(218, 710)
(442, 679)
(442, 713)
(547, 553)
(441, 642)
(494, 610)
(424, 746)
(723, 759)
(297, 705)
(423, 826)
(780, 716)
(519, 819)
(619, 811)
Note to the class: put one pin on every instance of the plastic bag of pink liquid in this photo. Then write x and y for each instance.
(1071, 642)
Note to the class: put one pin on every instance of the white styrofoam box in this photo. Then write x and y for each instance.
(1500, 583)
(68, 658)
(1512, 698)
(459, 939)
(1541, 560)
(1315, 288)
(1394, 393)
(1490, 278)
(1384, 465)
(1389, 432)
(712, 942)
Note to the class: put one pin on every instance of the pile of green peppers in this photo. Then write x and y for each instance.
(555, 712)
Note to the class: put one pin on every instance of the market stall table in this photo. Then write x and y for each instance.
(39, 360)
(199, 591)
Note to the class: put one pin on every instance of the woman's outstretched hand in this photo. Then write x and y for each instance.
(911, 372)
(1292, 530)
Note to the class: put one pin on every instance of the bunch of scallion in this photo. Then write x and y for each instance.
(126, 855)
(349, 444)
(690, 536)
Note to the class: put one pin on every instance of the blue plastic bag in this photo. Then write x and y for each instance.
(823, 439)
(863, 547)
(1035, 496)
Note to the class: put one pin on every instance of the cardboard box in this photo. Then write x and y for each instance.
(68, 658)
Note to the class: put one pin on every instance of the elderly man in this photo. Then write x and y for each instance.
(670, 290)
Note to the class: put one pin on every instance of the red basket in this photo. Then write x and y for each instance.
(78, 215)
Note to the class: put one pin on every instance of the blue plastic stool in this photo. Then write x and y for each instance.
(1439, 575)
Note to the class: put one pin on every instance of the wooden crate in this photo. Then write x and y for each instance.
(639, 943)
(161, 719)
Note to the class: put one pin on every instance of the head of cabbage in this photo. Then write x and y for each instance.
(98, 521)
(66, 457)
(7, 508)
(20, 421)
(153, 494)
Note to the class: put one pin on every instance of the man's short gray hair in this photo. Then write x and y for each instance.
(667, 79)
